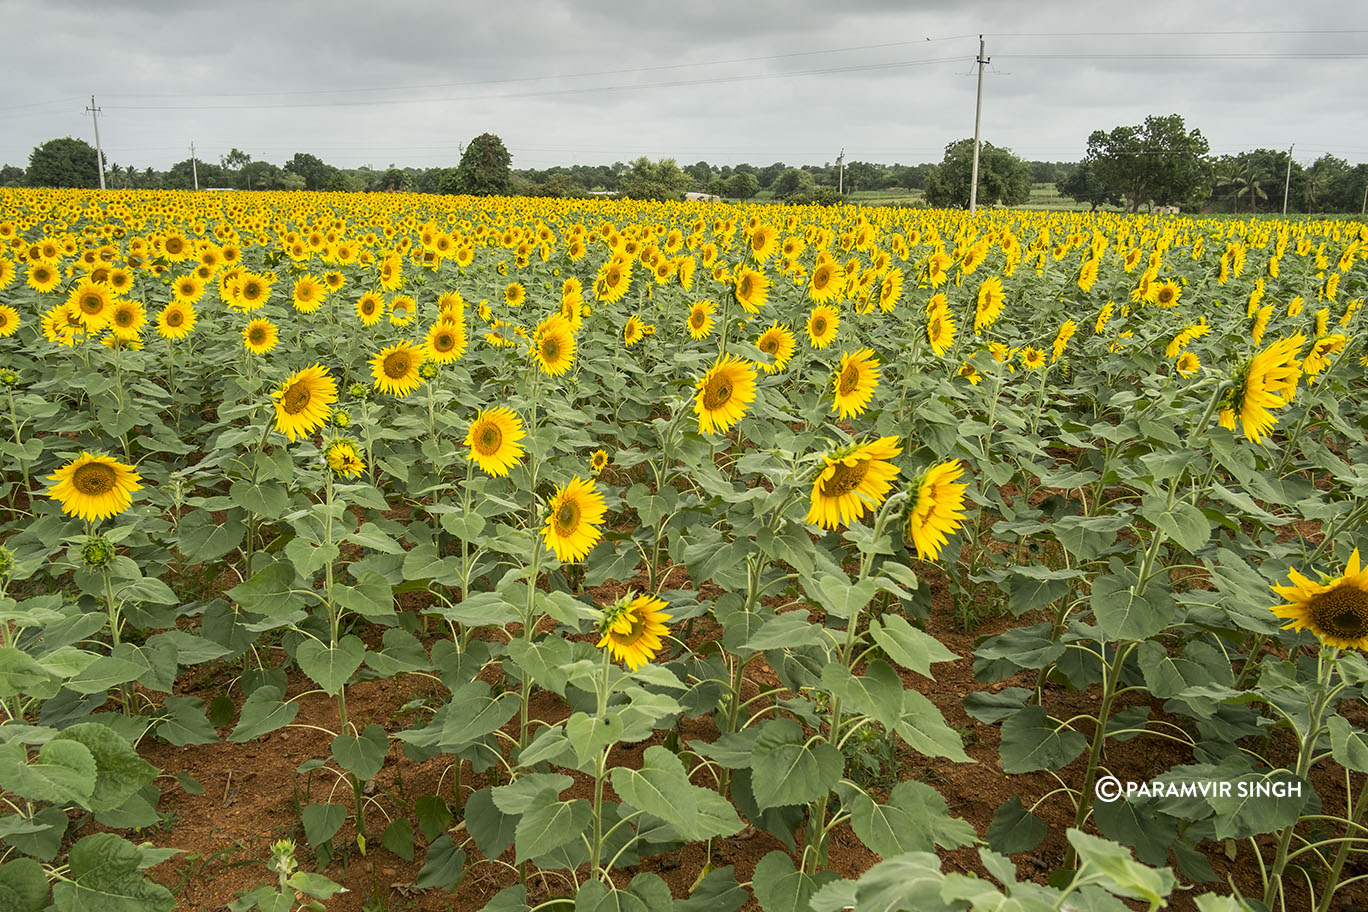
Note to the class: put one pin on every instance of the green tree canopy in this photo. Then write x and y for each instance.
(659, 180)
(1002, 177)
(743, 185)
(64, 162)
(1084, 185)
(1159, 161)
(485, 167)
(793, 182)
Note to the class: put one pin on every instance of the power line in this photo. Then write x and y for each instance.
(483, 82)
(714, 80)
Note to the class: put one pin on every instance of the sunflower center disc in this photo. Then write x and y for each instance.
(717, 394)
(296, 398)
(92, 304)
(488, 440)
(819, 327)
(850, 378)
(94, 479)
(567, 518)
(1341, 612)
(397, 365)
(174, 318)
(258, 336)
(551, 350)
(844, 479)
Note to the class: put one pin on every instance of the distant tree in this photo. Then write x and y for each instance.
(1159, 161)
(1333, 186)
(316, 173)
(261, 175)
(793, 182)
(769, 174)
(1002, 177)
(658, 180)
(1083, 185)
(11, 176)
(911, 177)
(235, 159)
(863, 176)
(701, 172)
(289, 180)
(719, 187)
(394, 180)
(63, 162)
(181, 175)
(743, 185)
(484, 168)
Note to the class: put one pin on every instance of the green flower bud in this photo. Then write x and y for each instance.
(6, 562)
(427, 370)
(97, 552)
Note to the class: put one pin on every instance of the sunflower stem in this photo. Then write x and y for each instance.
(1323, 696)
(1356, 812)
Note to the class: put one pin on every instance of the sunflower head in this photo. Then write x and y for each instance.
(573, 519)
(94, 487)
(852, 481)
(632, 627)
(494, 438)
(937, 510)
(1334, 609)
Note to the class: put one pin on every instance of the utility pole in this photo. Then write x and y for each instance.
(99, 154)
(978, 117)
(840, 174)
(194, 166)
(1287, 182)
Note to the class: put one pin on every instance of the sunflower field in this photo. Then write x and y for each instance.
(384, 551)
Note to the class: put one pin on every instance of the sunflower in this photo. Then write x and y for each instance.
(90, 302)
(7, 272)
(1335, 610)
(701, 319)
(260, 336)
(853, 482)
(308, 294)
(938, 509)
(253, 291)
(515, 294)
(598, 461)
(1187, 364)
(395, 369)
(989, 303)
(9, 320)
(764, 241)
(1267, 382)
(751, 288)
(1032, 357)
(777, 342)
(940, 326)
(344, 460)
(1317, 359)
(176, 320)
(724, 394)
(576, 512)
(187, 288)
(42, 277)
(890, 290)
(632, 629)
(94, 487)
(822, 324)
(126, 320)
(370, 307)
(303, 401)
(445, 342)
(553, 345)
(1165, 294)
(493, 440)
(402, 310)
(855, 382)
(614, 278)
(1066, 332)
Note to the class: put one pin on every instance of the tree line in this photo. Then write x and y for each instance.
(1157, 163)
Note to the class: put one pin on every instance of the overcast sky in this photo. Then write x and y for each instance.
(587, 82)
